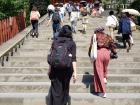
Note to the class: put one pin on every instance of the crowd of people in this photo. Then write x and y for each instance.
(63, 65)
(75, 11)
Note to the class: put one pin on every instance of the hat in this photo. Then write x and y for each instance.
(99, 29)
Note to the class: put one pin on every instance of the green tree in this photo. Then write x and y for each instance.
(136, 5)
(41, 5)
(12, 7)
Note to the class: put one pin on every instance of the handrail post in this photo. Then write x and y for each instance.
(2, 61)
(7, 57)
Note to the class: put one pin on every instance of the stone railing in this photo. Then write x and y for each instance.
(11, 46)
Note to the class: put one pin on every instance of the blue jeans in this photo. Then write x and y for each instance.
(56, 28)
(35, 26)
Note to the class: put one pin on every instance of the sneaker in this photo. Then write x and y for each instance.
(36, 34)
(129, 48)
(104, 95)
(105, 80)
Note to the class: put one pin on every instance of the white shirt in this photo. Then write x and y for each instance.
(51, 7)
(111, 20)
(62, 10)
(74, 16)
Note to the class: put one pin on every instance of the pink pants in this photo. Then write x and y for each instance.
(100, 69)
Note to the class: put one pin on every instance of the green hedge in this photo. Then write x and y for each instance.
(11, 7)
(136, 5)
(41, 5)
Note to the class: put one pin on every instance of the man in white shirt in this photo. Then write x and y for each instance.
(50, 9)
(74, 18)
(57, 22)
(62, 11)
(111, 23)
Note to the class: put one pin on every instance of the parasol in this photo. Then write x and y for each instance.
(83, 1)
(132, 12)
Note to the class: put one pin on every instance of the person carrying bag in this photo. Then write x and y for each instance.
(62, 66)
(100, 48)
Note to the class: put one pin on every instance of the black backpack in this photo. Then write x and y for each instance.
(60, 56)
(56, 18)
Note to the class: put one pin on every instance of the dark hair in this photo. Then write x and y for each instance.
(127, 14)
(66, 31)
(111, 13)
(34, 8)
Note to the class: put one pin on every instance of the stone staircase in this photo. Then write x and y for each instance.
(24, 80)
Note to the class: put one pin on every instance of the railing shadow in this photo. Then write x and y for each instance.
(119, 39)
(88, 81)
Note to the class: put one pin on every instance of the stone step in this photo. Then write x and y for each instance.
(16, 58)
(85, 38)
(79, 64)
(43, 37)
(79, 46)
(47, 37)
(80, 60)
(32, 49)
(80, 53)
(80, 70)
(34, 79)
(84, 78)
(76, 99)
(77, 87)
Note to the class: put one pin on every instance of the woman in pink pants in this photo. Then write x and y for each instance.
(105, 45)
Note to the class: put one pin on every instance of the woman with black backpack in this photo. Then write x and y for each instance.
(57, 22)
(61, 70)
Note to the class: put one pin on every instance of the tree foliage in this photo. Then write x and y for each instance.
(41, 5)
(11, 7)
(136, 5)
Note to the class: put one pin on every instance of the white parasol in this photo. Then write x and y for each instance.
(132, 12)
(83, 1)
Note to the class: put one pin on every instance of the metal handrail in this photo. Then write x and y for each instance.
(13, 46)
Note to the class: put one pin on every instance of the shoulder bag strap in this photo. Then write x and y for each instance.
(115, 20)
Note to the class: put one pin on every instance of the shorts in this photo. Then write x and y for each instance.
(125, 36)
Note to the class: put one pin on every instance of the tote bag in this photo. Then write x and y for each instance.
(93, 53)
(133, 26)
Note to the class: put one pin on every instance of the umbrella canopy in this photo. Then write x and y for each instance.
(83, 1)
(132, 12)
